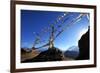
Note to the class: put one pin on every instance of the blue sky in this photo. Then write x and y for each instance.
(36, 21)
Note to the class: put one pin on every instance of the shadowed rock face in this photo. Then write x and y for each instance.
(84, 47)
(23, 51)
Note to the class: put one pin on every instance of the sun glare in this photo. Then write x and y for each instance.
(83, 31)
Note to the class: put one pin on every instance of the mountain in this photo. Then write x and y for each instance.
(52, 54)
(83, 53)
(72, 52)
(74, 48)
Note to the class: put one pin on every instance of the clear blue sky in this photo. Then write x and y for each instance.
(35, 21)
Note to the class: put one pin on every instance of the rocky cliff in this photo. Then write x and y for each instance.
(84, 47)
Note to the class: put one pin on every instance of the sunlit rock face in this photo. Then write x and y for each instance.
(27, 54)
(84, 48)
